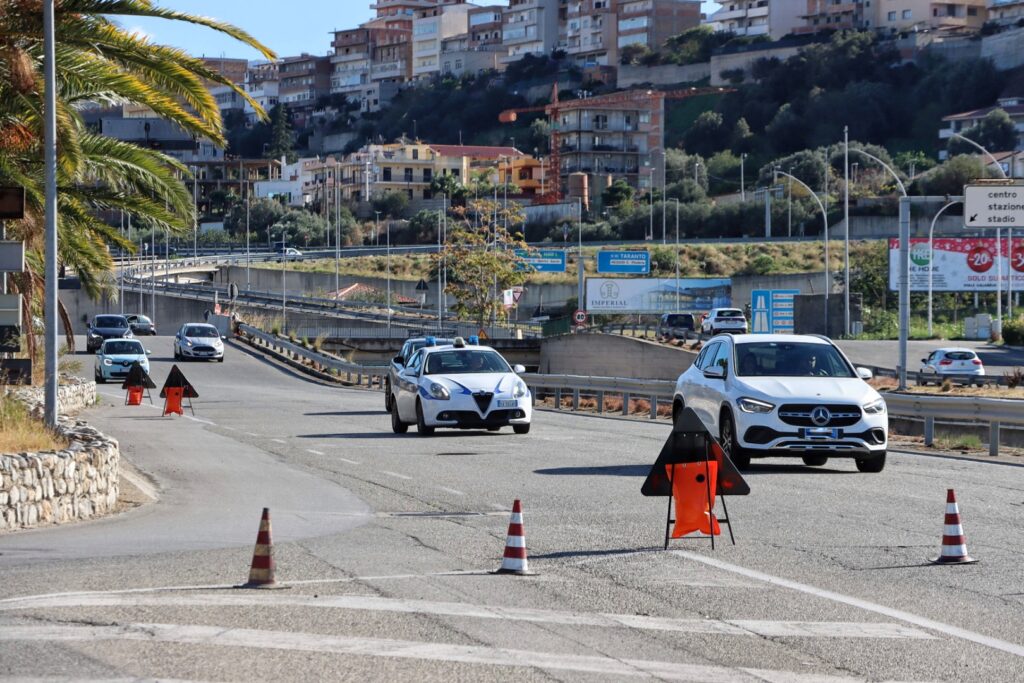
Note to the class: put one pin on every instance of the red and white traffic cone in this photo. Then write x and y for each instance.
(261, 574)
(515, 560)
(954, 544)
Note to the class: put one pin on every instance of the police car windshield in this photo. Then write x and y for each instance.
(790, 359)
(467, 361)
(123, 347)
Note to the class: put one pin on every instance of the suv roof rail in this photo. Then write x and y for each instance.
(821, 337)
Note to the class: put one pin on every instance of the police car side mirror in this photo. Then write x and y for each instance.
(397, 360)
(518, 369)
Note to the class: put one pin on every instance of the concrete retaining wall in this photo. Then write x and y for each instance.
(76, 483)
(667, 74)
(610, 355)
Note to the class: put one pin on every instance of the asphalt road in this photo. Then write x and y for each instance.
(386, 544)
(885, 354)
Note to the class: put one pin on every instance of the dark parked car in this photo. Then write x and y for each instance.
(677, 325)
(141, 324)
(105, 327)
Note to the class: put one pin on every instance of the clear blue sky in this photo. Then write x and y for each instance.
(289, 27)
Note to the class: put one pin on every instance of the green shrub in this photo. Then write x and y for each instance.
(1013, 332)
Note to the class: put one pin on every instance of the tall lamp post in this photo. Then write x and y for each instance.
(50, 406)
(743, 179)
(676, 200)
(931, 258)
(824, 222)
(904, 272)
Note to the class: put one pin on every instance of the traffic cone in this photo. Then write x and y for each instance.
(261, 575)
(514, 560)
(954, 545)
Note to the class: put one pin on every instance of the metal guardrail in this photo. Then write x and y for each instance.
(373, 375)
(655, 392)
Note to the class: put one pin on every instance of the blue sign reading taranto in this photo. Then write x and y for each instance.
(634, 262)
(543, 260)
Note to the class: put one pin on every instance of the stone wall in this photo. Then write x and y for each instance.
(51, 487)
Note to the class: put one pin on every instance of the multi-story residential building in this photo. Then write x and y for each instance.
(266, 95)
(1005, 12)
(350, 63)
(772, 18)
(590, 32)
(958, 123)
(233, 69)
(612, 135)
(261, 72)
(303, 80)
(485, 26)
(429, 28)
(228, 100)
(162, 135)
(404, 10)
(459, 57)
(822, 15)
(905, 15)
(530, 27)
(652, 22)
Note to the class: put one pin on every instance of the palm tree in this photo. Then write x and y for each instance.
(99, 61)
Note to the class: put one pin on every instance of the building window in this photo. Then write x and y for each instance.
(409, 193)
(428, 175)
(415, 153)
(600, 122)
(892, 16)
(387, 174)
(408, 176)
(907, 14)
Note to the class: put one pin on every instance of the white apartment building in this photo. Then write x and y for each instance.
(772, 18)
(590, 32)
(909, 15)
(1006, 11)
(530, 27)
(429, 29)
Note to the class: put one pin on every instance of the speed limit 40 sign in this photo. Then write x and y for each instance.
(580, 316)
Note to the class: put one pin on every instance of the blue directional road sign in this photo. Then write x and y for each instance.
(771, 311)
(544, 260)
(632, 262)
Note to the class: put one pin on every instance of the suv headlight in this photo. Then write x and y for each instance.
(439, 391)
(875, 407)
(752, 405)
(519, 390)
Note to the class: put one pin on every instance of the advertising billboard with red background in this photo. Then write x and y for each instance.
(960, 264)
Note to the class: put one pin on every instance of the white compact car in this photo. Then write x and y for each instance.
(724, 320)
(785, 395)
(956, 362)
(115, 359)
(463, 386)
(200, 341)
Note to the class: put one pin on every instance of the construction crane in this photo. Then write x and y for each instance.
(651, 98)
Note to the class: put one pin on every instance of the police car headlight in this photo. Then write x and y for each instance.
(107, 361)
(439, 391)
(519, 390)
(875, 407)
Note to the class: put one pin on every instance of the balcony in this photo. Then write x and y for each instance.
(388, 70)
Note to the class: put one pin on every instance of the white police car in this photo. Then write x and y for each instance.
(463, 386)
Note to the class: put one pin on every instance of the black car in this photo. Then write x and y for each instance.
(105, 327)
(678, 325)
(141, 324)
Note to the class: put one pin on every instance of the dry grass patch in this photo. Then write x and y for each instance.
(20, 432)
(981, 392)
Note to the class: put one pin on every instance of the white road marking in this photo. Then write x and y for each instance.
(230, 429)
(765, 628)
(310, 450)
(395, 474)
(218, 636)
(252, 434)
(454, 492)
(499, 506)
(350, 462)
(198, 419)
(279, 441)
(923, 622)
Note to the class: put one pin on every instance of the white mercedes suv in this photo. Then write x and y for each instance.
(785, 395)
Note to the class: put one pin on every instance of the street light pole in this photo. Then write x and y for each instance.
(676, 200)
(743, 185)
(247, 259)
(389, 277)
(580, 296)
(824, 221)
(931, 258)
(195, 214)
(284, 280)
(337, 231)
(846, 231)
(51, 409)
(664, 191)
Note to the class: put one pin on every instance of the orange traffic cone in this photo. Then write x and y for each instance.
(954, 545)
(261, 575)
(514, 560)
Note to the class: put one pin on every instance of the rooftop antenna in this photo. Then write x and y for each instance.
(460, 138)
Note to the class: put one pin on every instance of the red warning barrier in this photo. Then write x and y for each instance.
(172, 400)
(137, 384)
(175, 389)
(693, 488)
(135, 396)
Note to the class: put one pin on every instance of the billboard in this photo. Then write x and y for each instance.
(656, 295)
(960, 264)
(635, 262)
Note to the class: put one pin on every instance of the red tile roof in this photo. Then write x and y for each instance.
(1014, 110)
(475, 151)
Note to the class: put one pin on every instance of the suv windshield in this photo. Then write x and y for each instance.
(465, 362)
(790, 359)
(730, 313)
(123, 348)
(202, 332)
(110, 321)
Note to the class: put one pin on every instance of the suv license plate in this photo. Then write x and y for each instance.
(821, 433)
(508, 403)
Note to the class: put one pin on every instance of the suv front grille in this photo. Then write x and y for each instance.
(799, 414)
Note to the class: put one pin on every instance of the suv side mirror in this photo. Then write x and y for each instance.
(865, 374)
(715, 372)
(518, 369)
(398, 360)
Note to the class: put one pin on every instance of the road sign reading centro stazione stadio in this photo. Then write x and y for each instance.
(544, 260)
(994, 205)
(634, 262)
